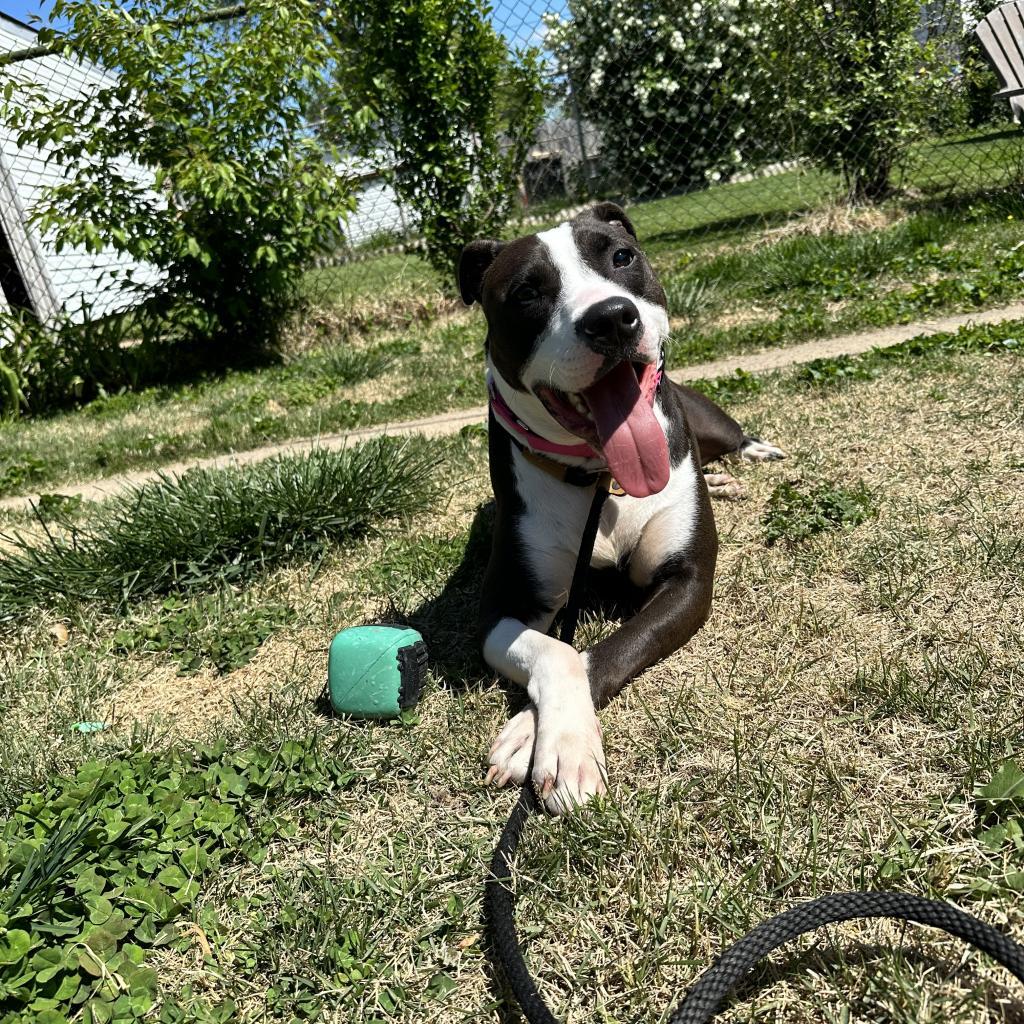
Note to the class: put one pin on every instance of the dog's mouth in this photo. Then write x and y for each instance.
(615, 416)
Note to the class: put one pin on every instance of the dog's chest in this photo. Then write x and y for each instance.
(641, 533)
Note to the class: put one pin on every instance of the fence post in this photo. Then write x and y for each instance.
(587, 170)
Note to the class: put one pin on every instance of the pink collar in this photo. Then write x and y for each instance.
(508, 419)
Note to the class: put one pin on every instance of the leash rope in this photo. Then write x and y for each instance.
(711, 990)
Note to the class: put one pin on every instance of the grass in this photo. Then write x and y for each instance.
(849, 717)
(209, 528)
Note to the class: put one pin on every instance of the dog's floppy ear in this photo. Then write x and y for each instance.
(473, 264)
(610, 213)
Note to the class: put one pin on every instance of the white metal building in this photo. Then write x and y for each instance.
(32, 272)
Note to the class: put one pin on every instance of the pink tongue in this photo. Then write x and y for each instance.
(632, 440)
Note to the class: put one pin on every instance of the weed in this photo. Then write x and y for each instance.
(51, 507)
(344, 365)
(23, 472)
(213, 526)
(794, 515)
(97, 869)
(688, 298)
(999, 803)
(222, 630)
(832, 371)
(736, 387)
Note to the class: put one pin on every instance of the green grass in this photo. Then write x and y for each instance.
(739, 269)
(212, 527)
(408, 376)
(813, 286)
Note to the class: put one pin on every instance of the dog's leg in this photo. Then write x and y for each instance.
(677, 608)
(559, 727)
(722, 485)
(678, 580)
(718, 434)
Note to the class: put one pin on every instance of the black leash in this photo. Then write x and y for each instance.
(712, 989)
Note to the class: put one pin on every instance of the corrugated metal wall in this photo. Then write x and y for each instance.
(73, 280)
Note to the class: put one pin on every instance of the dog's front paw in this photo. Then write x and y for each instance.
(568, 762)
(754, 449)
(510, 753)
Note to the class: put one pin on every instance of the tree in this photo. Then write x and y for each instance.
(235, 194)
(857, 85)
(673, 86)
(430, 90)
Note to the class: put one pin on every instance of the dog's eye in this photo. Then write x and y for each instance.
(622, 258)
(525, 293)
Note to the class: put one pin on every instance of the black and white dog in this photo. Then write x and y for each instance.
(576, 323)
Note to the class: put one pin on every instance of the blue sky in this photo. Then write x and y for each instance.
(22, 9)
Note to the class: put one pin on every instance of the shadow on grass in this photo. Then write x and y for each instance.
(739, 222)
(993, 136)
(448, 622)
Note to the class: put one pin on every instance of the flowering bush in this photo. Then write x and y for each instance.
(674, 86)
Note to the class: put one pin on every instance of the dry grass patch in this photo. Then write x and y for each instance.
(836, 219)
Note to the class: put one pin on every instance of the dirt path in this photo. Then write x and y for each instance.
(451, 422)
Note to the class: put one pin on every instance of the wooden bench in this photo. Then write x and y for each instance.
(1001, 33)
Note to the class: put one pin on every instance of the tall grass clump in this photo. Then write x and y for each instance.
(209, 527)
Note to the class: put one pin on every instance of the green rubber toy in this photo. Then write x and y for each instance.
(375, 671)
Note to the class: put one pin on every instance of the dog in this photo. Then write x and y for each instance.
(576, 327)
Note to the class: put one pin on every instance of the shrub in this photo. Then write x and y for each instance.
(857, 86)
(673, 87)
(237, 195)
(431, 85)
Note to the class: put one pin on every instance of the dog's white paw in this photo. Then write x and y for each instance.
(509, 756)
(754, 449)
(568, 762)
(721, 485)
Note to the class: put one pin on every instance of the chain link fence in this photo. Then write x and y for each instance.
(702, 116)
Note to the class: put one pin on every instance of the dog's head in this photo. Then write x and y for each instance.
(576, 321)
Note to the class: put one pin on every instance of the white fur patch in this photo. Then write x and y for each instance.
(561, 360)
(550, 528)
(648, 531)
(760, 451)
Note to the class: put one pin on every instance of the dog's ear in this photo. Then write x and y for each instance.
(473, 264)
(610, 213)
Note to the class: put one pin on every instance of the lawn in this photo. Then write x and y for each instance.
(849, 718)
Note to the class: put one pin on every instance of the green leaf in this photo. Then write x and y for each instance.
(1006, 784)
(14, 946)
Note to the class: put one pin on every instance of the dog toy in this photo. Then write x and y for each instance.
(375, 671)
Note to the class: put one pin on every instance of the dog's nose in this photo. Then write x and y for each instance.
(611, 325)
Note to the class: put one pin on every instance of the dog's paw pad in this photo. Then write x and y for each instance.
(721, 485)
(510, 754)
(754, 449)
